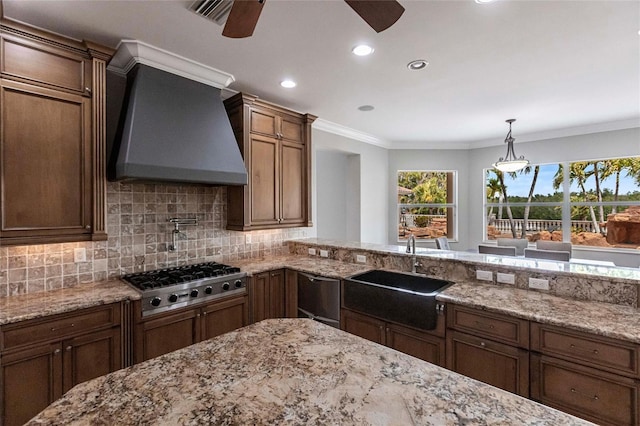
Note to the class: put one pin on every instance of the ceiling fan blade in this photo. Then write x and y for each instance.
(379, 14)
(243, 18)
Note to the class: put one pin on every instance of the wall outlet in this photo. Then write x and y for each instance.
(484, 275)
(324, 253)
(539, 283)
(312, 251)
(361, 258)
(506, 278)
(79, 255)
(247, 238)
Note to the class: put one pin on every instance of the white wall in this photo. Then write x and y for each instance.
(421, 159)
(367, 218)
(620, 143)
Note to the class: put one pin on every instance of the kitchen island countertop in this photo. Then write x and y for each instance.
(292, 371)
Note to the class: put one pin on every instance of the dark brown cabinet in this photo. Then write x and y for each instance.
(268, 295)
(167, 332)
(589, 376)
(426, 345)
(489, 347)
(42, 359)
(52, 147)
(276, 146)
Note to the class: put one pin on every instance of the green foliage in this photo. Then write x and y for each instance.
(426, 187)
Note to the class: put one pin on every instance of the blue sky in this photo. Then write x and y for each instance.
(544, 184)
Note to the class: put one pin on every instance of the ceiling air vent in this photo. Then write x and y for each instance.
(214, 10)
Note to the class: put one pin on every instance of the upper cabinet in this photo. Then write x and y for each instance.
(276, 146)
(52, 138)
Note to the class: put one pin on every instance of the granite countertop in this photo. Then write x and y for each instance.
(37, 305)
(604, 319)
(292, 371)
(312, 265)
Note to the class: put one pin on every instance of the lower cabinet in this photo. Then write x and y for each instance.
(426, 345)
(489, 347)
(64, 350)
(164, 333)
(267, 292)
(589, 376)
(497, 364)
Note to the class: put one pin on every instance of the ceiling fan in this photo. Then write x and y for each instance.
(244, 14)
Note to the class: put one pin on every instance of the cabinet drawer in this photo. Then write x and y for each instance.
(60, 326)
(606, 354)
(43, 64)
(493, 326)
(591, 394)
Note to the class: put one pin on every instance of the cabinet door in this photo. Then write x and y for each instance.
(31, 380)
(276, 296)
(167, 333)
(500, 365)
(293, 183)
(221, 317)
(291, 294)
(364, 326)
(90, 356)
(594, 395)
(258, 291)
(264, 121)
(264, 179)
(46, 161)
(417, 344)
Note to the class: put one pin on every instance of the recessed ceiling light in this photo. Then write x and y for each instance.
(418, 64)
(366, 108)
(288, 84)
(483, 1)
(362, 50)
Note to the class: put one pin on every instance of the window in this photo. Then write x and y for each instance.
(426, 204)
(596, 203)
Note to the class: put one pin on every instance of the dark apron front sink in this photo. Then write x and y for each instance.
(395, 296)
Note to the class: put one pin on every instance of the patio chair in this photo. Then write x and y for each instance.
(519, 243)
(504, 251)
(562, 256)
(553, 245)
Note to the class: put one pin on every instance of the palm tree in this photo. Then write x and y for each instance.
(493, 190)
(596, 175)
(503, 187)
(527, 208)
(578, 173)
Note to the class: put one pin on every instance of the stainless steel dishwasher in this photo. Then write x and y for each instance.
(319, 299)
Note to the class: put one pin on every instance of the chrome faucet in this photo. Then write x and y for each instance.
(411, 248)
(175, 233)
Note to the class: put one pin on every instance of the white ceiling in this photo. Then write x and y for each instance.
(559, 67)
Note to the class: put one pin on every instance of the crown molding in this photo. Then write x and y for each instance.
(348, 132)
(132, 52)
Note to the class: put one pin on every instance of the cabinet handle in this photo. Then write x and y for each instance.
(594, 397)
(204, 314)
(587, 351)
(482, 344)
(87, 227)
(57, 351)
(68, 348)
(88, 90)
(62, 328)
(197, 315)
(387, 329)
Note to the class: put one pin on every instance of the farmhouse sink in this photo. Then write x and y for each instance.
(407, 299)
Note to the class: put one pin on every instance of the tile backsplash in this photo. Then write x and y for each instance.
(139, 235)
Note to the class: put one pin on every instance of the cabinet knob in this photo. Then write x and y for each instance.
(197, 315)
(204, 314)
(68, 348)
(87, 227)
(57, 351)
(482, 344)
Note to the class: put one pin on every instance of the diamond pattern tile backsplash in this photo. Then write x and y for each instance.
(139, 235)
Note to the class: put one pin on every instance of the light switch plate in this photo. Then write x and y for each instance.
(79, 255)
(484, 275)
(506, 278)
(312, 251)
(324, 253)
(361, 258)
(247, 238)
(538, 283)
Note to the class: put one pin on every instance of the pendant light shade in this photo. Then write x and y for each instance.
(510, 163)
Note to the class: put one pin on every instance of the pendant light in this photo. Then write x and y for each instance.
(510, 163)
